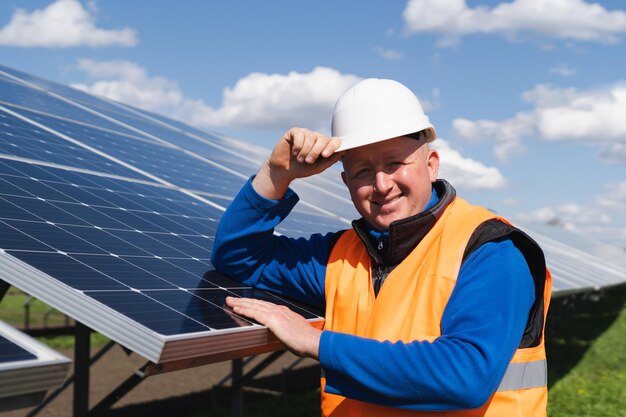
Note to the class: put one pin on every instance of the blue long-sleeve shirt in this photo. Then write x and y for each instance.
(481, 326)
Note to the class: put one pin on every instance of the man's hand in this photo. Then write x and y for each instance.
(290, 328)
(299, 153)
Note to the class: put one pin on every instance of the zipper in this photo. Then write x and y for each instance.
(371, 249)
(375, 252)
(377, 279)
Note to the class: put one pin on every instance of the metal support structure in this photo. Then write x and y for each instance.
(239, 379)
(68, 381)
(285, 375)
(236, 398)
(4, 288)
(81, 378)
(258, 368)
(81, 369)
(27, 304)
(124, 388)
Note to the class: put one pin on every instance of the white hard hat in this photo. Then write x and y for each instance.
(375, 110)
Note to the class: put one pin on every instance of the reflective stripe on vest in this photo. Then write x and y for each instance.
(522, 375)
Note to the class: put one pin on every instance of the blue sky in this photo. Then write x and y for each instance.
(528, 96)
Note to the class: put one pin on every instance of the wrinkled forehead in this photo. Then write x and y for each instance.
(391, 149)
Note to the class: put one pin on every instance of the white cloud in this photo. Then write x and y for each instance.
(613, 153)
(507, 135)
(129, 83)
(282, 100)
(560, 19)
(596, 115)
(431, 103)
(593, 116)
(614, 198)
(601, 218)
(562, 70)
(275, 101)
(389, 54)
(466, 172)
(510, 201)
(64, 23)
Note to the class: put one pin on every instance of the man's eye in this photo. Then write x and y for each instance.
(362, 173)
(394, 165)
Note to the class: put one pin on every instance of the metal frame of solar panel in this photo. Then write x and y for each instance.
(108, 214)
(28, 369)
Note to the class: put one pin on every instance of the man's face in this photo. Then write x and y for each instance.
(390, 180)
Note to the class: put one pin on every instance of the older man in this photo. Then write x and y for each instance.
(433, 306)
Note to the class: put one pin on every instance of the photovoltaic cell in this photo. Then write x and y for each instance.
(11, 352)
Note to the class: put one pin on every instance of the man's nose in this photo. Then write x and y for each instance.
(382, 182)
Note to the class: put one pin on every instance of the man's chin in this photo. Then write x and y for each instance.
(383, 224)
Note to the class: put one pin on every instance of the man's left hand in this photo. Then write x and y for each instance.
(290, 328)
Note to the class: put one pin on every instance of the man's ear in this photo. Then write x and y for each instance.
(433, 164)
(343, 178)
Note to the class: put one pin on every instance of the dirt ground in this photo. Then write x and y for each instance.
(176, 393)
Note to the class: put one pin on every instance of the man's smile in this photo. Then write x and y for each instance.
(387, 201)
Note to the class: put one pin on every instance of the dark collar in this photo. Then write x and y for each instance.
(406, 234)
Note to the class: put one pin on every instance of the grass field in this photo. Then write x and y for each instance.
(13, 308)
(587, 360)
(15, 304)
(586, 348)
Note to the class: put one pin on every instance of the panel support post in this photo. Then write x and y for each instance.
(102, 408)
(81, 369)
(4, 288)
(236, 396)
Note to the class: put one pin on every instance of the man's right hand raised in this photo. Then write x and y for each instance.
(299, 153)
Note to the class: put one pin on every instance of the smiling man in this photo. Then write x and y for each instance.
(433, 306)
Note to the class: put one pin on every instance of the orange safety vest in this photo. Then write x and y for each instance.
(409, 307)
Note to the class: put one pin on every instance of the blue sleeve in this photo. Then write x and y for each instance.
(481, 328)
(247, 249)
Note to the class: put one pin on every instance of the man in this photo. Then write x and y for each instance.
(433, 306)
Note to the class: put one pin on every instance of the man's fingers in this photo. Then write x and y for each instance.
(333, 144)
(251, 307)
(296, 137)
(316, 150)
(289, 327)
(299, 154)
(307, 145)
(305, 152)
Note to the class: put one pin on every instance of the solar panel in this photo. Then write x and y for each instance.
(576, 261)
(106, 249)
(12, 91)
(27, 369)
(108, 214)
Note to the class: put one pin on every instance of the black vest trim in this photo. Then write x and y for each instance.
(495, 230)
(334, 239)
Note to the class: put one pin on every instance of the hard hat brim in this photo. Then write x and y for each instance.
(357, 140)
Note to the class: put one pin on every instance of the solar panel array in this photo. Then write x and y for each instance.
(578, 262)
(28, 369)
(108, 213)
